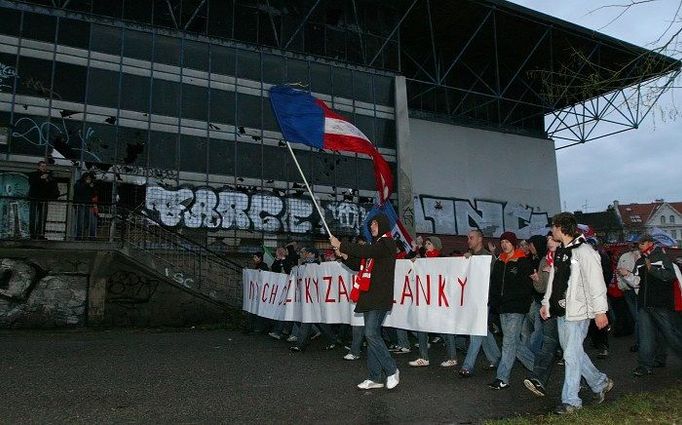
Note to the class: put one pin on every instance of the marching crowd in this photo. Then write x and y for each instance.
(546, 296)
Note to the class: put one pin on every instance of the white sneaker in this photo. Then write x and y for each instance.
(419, 363)
(449, 363)
(370, 385)
(393, 380)
(403, 350)
(292, 338)
(275, 335)
(350, 356)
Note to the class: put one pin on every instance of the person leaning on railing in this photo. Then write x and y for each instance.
(42, 188)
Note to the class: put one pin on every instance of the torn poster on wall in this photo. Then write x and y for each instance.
(228, 209)
(453, 216)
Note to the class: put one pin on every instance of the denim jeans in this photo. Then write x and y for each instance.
(306, 328)
(571, 336)
(402, 338)
(656, 324)
(450, 347)
(535, 340)
(379, 360)
(512, 324)
(358, 336)
(544, 360)
(492, 353)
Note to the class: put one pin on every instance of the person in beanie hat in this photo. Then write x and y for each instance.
(510, 295)
(375, 285)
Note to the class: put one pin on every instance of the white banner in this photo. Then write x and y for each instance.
(443, 295)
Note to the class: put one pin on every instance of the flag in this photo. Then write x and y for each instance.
(398, 231)
(305, 119)
(663, 238)
(268, 255)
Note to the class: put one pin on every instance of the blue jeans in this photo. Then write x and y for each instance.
(535, 340)
(492, 353)
(571, 336)
(658, 325)
(358, 336)
(304, 333)
(512, 348)
(399, 337)
(544, 360)
(631, 301)
(378, 357)
(450, 347)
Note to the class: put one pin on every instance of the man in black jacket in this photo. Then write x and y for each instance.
(656, 311)
(377, 269)
(42, 188)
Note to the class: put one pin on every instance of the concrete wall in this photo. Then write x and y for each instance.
(68, 286)
(464, 178)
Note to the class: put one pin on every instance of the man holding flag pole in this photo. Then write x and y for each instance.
(305, 119)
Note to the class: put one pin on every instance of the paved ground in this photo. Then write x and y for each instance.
(220, 376)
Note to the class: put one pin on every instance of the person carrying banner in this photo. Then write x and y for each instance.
(576, 295)
(488, 342)
(373, 292)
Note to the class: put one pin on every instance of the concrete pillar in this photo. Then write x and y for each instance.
(404, 166)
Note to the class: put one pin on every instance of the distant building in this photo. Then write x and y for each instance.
(606, 224)
(641, 218)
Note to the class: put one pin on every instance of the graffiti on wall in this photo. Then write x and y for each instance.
(228, 209)
(68, 141)
(14, 212)
(128, 288)
(452, 216)
(6, 74)
(29, 296)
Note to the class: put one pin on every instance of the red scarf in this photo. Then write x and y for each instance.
(432, 253)
(647, 251)
(549, 258)
(364, 277)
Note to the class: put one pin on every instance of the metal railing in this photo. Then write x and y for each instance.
(188, 264)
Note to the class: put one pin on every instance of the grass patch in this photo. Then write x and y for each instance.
(661, 407)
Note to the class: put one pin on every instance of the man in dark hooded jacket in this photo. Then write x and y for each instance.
(377, 267)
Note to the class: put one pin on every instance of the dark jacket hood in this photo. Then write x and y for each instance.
(382, 221)
(540, 244)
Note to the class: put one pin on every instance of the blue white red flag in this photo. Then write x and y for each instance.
(304, 119)
(398, 231)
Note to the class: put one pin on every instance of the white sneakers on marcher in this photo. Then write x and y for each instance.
(392, 381)
(419, 363)
(351, 356)
(370, 385)
(449, 363)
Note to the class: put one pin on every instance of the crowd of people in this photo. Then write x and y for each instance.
(546, 296)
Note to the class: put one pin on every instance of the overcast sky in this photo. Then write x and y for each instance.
(635, 166)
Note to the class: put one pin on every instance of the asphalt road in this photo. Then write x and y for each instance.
(219, 376)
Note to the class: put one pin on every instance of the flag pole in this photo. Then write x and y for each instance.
(310, 192)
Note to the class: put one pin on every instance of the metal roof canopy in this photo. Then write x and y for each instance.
(507, 67)
(484, 63)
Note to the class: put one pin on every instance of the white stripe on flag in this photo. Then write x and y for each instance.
(341, 127)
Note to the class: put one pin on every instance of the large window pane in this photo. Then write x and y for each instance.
(11, 20)
(343, 83)
(39, 27)
(69, 81)
(249, 160)
(106, 39)
(138, 45)
(195, 55)
(163, 150)
(222, 106)
(194, 102)
(362, 84)
(137, 90)
(167, 50)
(74, 33)
(221, 157)
(193, 153)
(275, 160)
(222, 60)
(99, 142)
(35, 78)
(132, 146)
(385, 133)
(274, 69)
(383, 90)
(8, 65)
(320, 78)
(248, 65)
(103, 88)
(297, 71)
(248, 111)
(165, 97)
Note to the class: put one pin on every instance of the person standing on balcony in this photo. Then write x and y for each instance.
(42, 189)
(85, 200)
